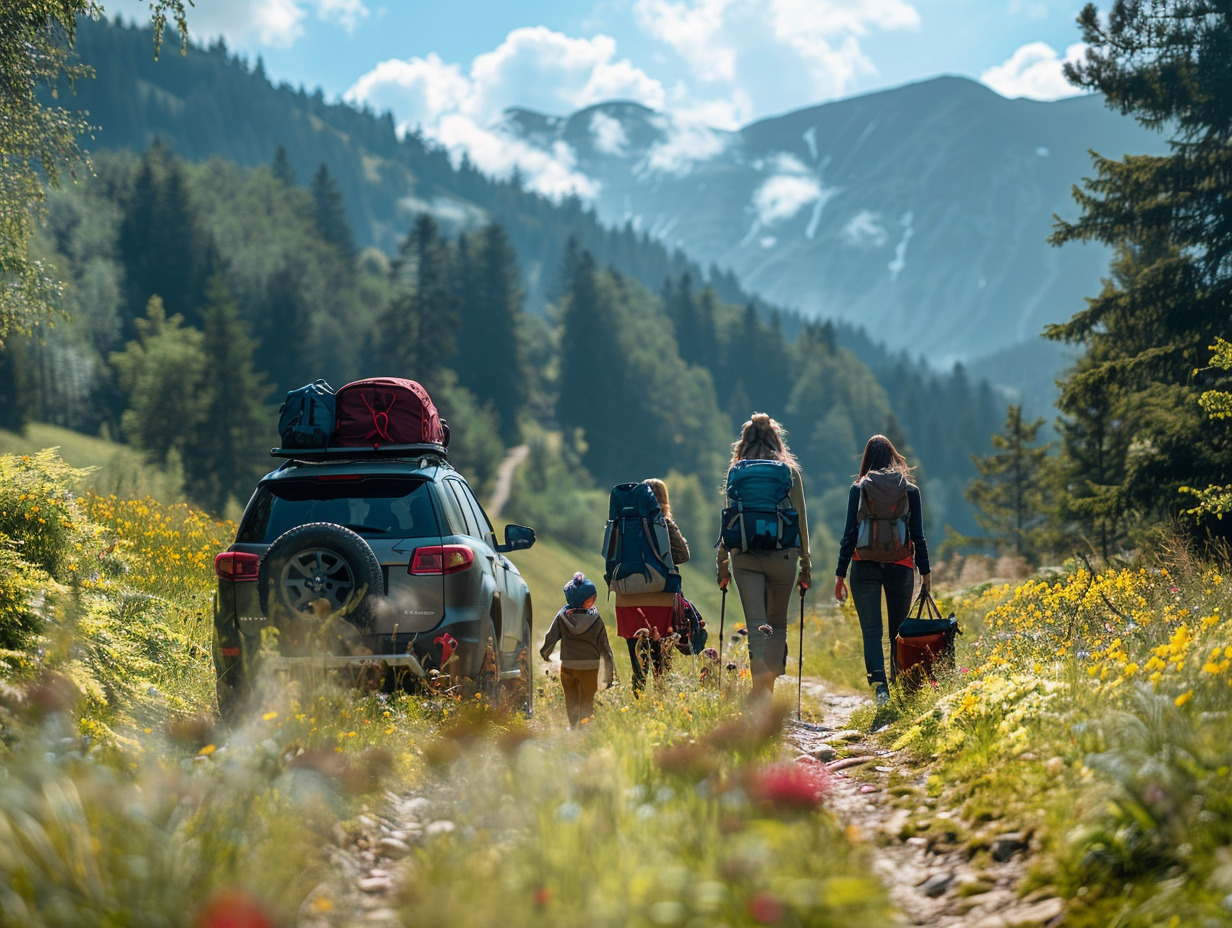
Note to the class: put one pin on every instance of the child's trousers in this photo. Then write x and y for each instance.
(580, 687)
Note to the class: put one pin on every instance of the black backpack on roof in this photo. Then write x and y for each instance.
(307, 416)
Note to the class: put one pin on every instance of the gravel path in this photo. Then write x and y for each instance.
(939, 870)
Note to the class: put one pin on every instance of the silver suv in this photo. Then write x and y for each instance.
(380, 563)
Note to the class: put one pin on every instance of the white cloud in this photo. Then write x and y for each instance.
(1032, 9)
(533, 68)
(347, 13)
(609, 134)
(784, 195)
(809, 46)
(1034, 71)
(494, 152)
(418, 92)
(273, 23)
(727, 113)
(686, 144)
(693, 30)
(548, 71)
(865, 230)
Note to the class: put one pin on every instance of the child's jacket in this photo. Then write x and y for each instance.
(583, 642)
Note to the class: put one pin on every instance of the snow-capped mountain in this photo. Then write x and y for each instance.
(921, 212)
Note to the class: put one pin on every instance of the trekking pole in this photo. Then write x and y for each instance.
(722, 615)
(800, 657)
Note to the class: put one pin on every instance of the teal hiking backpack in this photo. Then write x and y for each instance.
(636, 553)
(758, 515)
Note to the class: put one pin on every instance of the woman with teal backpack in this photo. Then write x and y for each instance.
(764, 536)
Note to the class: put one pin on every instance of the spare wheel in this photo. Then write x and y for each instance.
(320, 568)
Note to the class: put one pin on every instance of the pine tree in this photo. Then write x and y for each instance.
(226, 454)
(416, 335)
(490, 358)
(14, 410)
(1009, 494)
(165, 251)
(591, 386)
(1167, 63)
(282, 166)
(332, 215)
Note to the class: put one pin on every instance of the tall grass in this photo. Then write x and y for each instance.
(1090, 710)
(123, 801)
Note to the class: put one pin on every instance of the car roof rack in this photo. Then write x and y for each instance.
(359, 452)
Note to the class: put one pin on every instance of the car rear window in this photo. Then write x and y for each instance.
(389, 507)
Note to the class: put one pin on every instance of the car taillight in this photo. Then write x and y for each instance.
(441, 559)
(237, 565)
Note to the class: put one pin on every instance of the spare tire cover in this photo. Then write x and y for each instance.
(320, 561)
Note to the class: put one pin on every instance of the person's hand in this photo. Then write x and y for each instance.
(805, 580)
(840, 589)
(926, 582)
(724, 576)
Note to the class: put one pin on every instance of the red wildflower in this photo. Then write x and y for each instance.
(543, 896)
(765, 908)
(798, 786)
(234, 908)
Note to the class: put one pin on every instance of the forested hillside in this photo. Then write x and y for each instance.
(297, 239)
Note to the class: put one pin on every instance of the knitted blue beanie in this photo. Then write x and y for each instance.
(578, 590)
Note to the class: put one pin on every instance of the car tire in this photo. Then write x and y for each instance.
(518, 694)
(316, 562)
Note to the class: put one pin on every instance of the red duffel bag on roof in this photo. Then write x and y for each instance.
(387, 411)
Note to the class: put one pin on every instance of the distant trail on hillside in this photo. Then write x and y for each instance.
(504, 480)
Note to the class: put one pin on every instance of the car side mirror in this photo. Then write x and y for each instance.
(517, 538)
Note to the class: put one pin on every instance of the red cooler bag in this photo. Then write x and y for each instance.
(387, 411)
(925, 643)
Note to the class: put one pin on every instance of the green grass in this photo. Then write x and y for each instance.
(116, 469)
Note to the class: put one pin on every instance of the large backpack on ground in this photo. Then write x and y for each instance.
(636, 552)
(882, 517)
(306, 417)
(758, 515)
(387, 411)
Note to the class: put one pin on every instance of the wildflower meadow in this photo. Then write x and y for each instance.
(1087, 708)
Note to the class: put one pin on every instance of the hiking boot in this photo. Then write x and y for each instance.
(883, 694)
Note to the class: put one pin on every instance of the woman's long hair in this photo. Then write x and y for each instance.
(660, 492)
(880, 454)
(762, 439)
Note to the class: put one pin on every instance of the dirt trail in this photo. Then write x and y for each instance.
(938, 870)
(504, 480)
(923, 854)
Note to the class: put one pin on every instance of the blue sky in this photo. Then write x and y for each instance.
(452, 68)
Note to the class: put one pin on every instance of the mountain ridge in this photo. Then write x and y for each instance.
(921, 211)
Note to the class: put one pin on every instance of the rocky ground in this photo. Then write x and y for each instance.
(938, 869)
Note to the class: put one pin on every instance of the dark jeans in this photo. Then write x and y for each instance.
(868, 580)
(643, 651)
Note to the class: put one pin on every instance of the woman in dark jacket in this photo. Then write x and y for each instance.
(877, 565)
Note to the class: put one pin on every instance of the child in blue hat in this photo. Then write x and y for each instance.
(584, 649)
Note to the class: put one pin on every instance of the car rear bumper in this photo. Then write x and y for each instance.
(341, 661)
